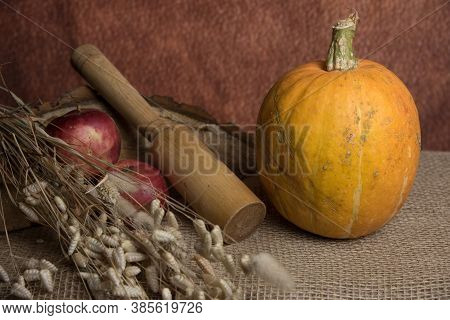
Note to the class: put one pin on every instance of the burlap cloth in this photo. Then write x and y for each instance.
(408, 259)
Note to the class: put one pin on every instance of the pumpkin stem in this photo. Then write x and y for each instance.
(340, 54)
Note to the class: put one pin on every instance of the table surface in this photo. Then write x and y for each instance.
(407, 259)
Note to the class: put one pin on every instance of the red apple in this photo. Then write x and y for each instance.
(147, 182)
(91, 132)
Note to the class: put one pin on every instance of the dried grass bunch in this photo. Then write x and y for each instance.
(119, 251)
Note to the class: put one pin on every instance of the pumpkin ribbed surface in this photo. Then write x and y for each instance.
(338, 150)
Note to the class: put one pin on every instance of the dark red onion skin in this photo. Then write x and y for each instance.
(150, 176)
(90, 132)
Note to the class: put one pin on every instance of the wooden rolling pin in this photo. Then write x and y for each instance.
(207, 184)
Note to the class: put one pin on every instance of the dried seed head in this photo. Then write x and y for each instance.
(124, 236)
(64, 217)
(109, 241)
(269, 269)
(163, 237)
(216, 236)
(108, 192)
(178, 252)
(171, 262)
(176, 233)
(32, 201)
(208, 279)
(228, 263)
(46, 280)
(124, 207)
(118, 257)
(135, 256)
(31, 263)
(188, 272)
(45, 264)
(28, 212)
(158, 216)
(89, 276)
(92, 254)
(246, 264)
(4, 277)
(231, 284)
(21, 292)
(204, 264)
(128, 292)
(21, 281)
(151, 275)
(189, 292)
(206, 245)
(31, 275)
(151, 249)
(199, 294)
(200, 227)
(74, 221)
(128, 246)
(73, 229)
(94, 245)
(60, 204)
(113, 276)
(114, 230)
(95, 284)
(172, 220)
(166, 294)
(98, 231)
(35, 188)
(155, 204)
(182, 282)
(225, 287)
(218, 252)
(124, 182)
(103, 218)
(73, 243)
(108, 252)
(80, 260)
(118, 222)
(132, 271)
(143, 219)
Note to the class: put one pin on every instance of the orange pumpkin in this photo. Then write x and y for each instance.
(338, 142)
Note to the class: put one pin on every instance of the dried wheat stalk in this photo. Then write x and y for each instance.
(120, 252)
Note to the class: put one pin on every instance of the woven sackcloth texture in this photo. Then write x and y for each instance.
(408, 259)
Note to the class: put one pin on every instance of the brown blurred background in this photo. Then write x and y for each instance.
(225, 55)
